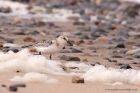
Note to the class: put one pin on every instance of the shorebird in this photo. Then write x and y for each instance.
(55, 46)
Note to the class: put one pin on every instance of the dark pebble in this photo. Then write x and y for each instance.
(69, 58)
(111, 60)
(119, 64)
(13, 88)
(84, 37)
(3, 85)
(14, 50)
(125, 66)
(117, 56)
(19, 33)
(5, 10)
(121, 45)
(78, 23)
(96, 63)
(76, 50)
(95, 33)
(137, 55)
(17, 71)
(32, 33)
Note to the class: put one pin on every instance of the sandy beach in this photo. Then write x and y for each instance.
(105, 55)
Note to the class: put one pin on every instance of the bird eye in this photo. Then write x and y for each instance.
(64, 38)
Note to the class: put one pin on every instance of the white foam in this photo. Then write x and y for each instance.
(11, 55)
(111, 75)
(34, 77)
(135, 1)
(10, 45)
(81, 67)
(17, 8)
(26, 62)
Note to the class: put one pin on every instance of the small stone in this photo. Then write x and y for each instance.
(40, 23)
(137, 55)
(111, 60)
(1, 45)
(78, 33)
(85, 17)
(132, 52)
(19, 33)
(119, 64)
(84, 37)
(96, 63)
(36, 10)
(79, 23)
(29, 39)
(102, 40)
(17, 71)
(77, 79)
(32, 33)
(5, 9)
(125, 66)
(14, 50)
(85, 60)
(69, 58)
(80, 42)
(117, 56)
(73, 18)
(3, 85)
(14, 87)
(16, 20)
(71, 2)
(121, 45)
(76, 50)
(32, 50)
(97, 32)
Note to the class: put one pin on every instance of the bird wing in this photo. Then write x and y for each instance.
(42, 43)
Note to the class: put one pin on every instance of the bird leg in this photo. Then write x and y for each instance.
(50, 56)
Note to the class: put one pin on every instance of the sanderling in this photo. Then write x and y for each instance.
(55, 46)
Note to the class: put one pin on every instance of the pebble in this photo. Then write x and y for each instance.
(132, 52)
(81, 41)
(14, 87)
(120, 45)
(102, 40)
(111, 60)
(5, 10)
(3, 85)
(71, 2)
(125, 66)
(76, 50)
(69, 58)
(40, 23)
(96, 63)
(77, 79)
(84, 37)
(14, 50)
(32, 33)
(95, 33)
(79, 23)
(29, 39)
(137, 55)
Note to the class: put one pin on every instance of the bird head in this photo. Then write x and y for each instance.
(63, 40)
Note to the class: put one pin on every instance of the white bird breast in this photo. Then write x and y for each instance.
(50, 49)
